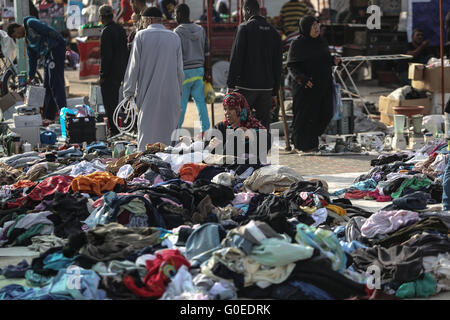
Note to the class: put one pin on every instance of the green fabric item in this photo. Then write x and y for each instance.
(413, 183)
(34, 279)
(325, 241)
(31, 232)
(426, 287)
(14, 225)
(420, 288)
(136, 206)
(276, 252)
(406, 291)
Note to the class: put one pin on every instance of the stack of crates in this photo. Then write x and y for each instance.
(347, 121)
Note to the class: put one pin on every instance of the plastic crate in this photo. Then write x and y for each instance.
(346, 125)
(81, 129)
(347, 107)
(333, 128)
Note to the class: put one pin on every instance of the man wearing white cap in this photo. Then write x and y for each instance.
(155, 78)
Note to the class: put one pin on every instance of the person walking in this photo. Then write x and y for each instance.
(44, 41)
(256, 62)
(114, 60)
(155, 78)
(195, 47)
(310, 62)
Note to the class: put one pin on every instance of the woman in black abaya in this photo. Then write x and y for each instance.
(310, 63)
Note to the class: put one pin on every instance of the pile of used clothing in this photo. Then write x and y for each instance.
(407, 240)
(410, 180)
(157, 225)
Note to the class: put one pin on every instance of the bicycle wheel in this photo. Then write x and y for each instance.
(9, 82)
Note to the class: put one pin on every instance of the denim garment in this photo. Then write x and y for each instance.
(193, 86)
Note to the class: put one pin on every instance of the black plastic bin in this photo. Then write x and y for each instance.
(81, 129)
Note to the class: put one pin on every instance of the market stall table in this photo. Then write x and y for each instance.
(347, 68)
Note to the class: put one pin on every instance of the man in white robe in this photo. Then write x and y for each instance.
(155, 78)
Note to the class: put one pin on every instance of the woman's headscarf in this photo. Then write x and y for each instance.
(237, 101)
(306, 24)
(306, 47)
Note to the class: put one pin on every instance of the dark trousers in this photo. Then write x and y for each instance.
(110, 95)
(260, 103)
(54, 83)
(446, 188)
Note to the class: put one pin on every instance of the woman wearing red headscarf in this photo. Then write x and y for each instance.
(239, 116)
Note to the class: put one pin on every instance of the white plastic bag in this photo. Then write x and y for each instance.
(433, 123)
(125, 171)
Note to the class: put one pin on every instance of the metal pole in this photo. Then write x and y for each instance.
(21, 10)
(209, 24)
(283, 114)
(441, 18)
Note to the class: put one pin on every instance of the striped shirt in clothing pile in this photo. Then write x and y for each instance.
(291, 13)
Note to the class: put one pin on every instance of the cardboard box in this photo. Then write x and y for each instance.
(31, 134)
(35, 96)
(22, 121)
(386, 107)
(415, 71)
(432, 80)
(8, 100)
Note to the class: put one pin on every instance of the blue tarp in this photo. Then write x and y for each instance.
(426, 18)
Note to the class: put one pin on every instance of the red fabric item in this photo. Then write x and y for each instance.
(166, 262)
(356, 194)
(190, 171)
(374, 194)
(128, 11)
(47, 187)
(384, 199)
(67, 146)
(24, 184)
(324, 202)
(238, 102)
(379, 198)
